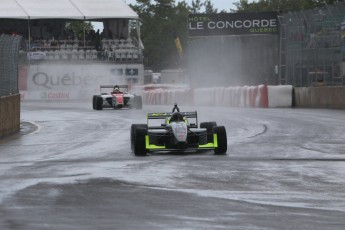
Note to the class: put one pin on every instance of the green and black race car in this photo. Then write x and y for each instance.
(177, 133)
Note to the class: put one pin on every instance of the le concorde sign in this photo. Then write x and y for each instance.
(232, 24)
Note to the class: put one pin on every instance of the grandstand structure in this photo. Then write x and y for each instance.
(45, 30)
(110, 50)
(60, 61)
(312, 47)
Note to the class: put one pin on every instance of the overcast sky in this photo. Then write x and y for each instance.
(219, 4)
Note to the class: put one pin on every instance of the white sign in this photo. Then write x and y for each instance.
(53, 81)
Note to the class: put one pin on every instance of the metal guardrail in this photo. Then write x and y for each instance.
(9, 52)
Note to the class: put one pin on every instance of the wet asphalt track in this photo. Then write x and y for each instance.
(71, 168)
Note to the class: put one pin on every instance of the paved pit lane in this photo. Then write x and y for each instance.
(71, 167)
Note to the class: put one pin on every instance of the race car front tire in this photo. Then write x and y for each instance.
(209, 127)
(133, 128)
(94, 99)
(139, 142)
(99, 103)
(222, 140)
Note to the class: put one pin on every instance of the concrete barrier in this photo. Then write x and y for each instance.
(320, 97)
(9, 114)
(280, 96)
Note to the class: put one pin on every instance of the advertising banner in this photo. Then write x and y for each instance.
(232, 24)
(74, 82)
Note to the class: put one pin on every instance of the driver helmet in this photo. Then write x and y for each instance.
(176, 117)
(116, 89)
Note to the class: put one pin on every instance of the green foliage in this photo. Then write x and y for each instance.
(162, 22)
(279, 5)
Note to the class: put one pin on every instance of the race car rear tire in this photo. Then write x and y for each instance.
(139, 142)
(138, 101)
(99, 103)
(222, 140)
(94, 99)
(133, 128)
(209, 127)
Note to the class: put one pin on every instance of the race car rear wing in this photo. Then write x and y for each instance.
(153, 116)
(112, 86)
(123, 88)
(165, 115)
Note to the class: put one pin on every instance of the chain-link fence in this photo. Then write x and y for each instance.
(9, 50)
(312, 46)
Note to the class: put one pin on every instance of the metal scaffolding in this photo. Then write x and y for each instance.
(312, 47)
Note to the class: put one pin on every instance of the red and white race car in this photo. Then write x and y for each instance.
(118, 98)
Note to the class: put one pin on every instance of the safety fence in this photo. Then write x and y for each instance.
(9, 56)
(312, 47)
(309, 50)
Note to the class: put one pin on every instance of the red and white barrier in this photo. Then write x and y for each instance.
(261, 96)
(163, 94)
(247, 96)
(167, 97)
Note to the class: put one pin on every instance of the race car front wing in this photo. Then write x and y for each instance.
(155, 147)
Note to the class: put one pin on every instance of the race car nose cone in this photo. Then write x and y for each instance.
(180, 131)
(119, 99)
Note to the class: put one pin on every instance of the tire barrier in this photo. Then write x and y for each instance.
(261, 96)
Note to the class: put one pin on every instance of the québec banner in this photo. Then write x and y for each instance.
(200, 25)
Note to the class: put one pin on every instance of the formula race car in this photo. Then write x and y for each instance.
(118, 98)
(177, 133)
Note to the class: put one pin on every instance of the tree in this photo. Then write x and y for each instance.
(209, 8)
(156, 31)
(279, 5)
(197, 6)
(164, 21)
